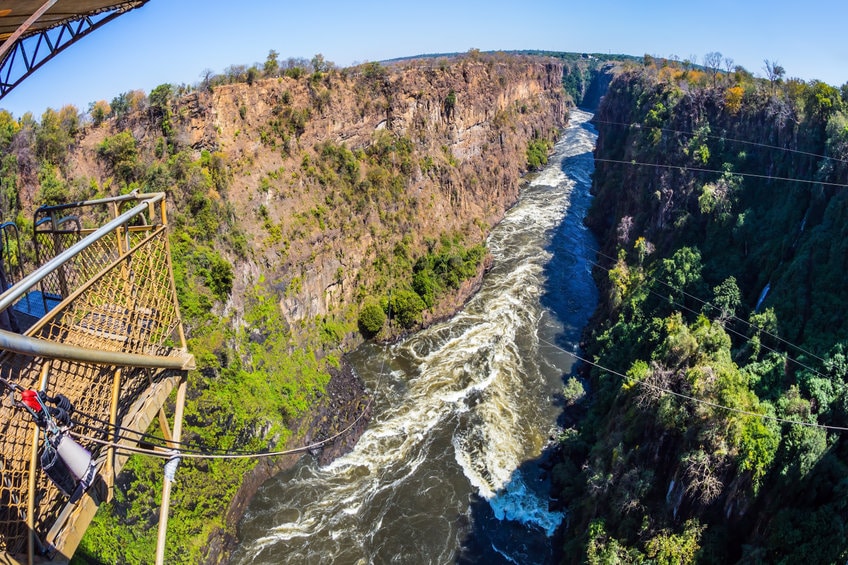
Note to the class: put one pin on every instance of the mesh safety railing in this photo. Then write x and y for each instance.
(117, 296)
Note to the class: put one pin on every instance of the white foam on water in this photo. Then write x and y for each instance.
(470, 377)
(551, 176)
(519, 503)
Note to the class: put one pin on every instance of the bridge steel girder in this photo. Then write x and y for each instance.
(35, 48)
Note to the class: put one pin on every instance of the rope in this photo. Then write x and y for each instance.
(704, 170)
(167, 452)
(696, 399)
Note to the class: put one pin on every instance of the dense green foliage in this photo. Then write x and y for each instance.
(121, 153)
(537, 153)
(372, 318)
(651, 475)
(432, 275)
(9, 200)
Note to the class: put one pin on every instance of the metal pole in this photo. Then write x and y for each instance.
(134, 195)
(34, 347)
(178, 418)
(166, 484)
(33, 467)
(113, 422)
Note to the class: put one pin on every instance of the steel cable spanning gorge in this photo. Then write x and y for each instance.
(449, 468)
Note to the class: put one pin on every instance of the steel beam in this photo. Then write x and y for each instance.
(22, 54)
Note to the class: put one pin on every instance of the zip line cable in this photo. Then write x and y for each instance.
(153, 441)
(165, 452)
(704, 170)
(142, 437)
(169, 453)
(636, 125)
(707, 303)
(694, 398)
(727, 328)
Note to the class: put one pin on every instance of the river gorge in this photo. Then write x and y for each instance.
(451, 466)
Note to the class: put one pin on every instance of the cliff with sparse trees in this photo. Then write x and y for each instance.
(312, 206)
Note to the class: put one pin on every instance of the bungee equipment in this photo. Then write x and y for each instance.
(65, 462)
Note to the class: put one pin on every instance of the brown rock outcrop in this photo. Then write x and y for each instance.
(474, 147)
(329, 176)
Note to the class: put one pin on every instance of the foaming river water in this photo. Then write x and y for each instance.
(448, 469)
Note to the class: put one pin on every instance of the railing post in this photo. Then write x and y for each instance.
(119, 229)
(57, 249)
(166, 482)
(30, 521)
(33, 468)
(113, 422)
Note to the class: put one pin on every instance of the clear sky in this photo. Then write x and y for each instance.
(174, 41)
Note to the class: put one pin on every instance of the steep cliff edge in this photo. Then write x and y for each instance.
(719, 354)
(328, 173)
(587, 76)
(298, 200)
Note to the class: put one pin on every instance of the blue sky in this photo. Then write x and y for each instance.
(175, 40)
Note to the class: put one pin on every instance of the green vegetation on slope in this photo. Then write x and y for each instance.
(650, 476)
(284, 239)
(432, 275)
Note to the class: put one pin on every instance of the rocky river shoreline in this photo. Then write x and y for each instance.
(333, 427)
(329, 431)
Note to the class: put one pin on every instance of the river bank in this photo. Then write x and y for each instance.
(340, 418)
(333, 428)
(463, 411)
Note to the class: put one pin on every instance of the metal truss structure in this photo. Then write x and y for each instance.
(33, 32)
(111, 342)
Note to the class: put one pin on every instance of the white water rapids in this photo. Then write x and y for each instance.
(448, 469)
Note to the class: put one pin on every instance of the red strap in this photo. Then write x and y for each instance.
(30, 398)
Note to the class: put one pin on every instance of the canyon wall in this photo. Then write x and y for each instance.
(296, 200)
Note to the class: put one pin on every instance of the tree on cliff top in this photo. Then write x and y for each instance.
(774, 73)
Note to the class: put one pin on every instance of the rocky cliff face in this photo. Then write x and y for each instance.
(463, 127)
(598, 85)
(709, 189)
(313, 193)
